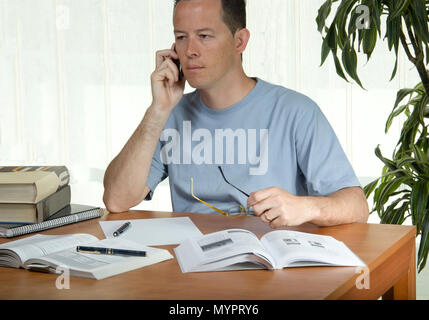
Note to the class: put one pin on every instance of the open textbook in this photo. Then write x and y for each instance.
(46, 253)
(238, 249)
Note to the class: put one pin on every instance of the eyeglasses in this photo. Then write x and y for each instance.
(236, 210)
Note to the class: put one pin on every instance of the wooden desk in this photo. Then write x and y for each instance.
(388, 250)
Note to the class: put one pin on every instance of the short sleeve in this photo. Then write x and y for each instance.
(320, 155)
(158, 172)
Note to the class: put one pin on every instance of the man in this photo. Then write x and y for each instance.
(270, 141)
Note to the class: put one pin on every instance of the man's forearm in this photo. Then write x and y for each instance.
(126, 176)
(344, 206)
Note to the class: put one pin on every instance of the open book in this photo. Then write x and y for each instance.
(237, 249)
(46, 253)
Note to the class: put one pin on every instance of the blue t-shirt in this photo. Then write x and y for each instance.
(272, 137)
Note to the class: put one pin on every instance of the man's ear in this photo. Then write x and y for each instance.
(241, 38)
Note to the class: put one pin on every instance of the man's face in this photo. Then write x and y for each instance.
(204, 43)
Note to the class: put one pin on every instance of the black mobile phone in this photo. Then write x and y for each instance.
(177, 63)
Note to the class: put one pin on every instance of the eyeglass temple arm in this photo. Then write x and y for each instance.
(207, 204)
(221, 172)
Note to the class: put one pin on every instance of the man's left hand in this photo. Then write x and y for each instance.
(280, 208)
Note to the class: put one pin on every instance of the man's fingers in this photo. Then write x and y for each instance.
(172, 66)
(258, 196)
(260, 207)
(272, 218)
(165, 74)
(277, 223)
(264, 219)
(167, 71)
(163, 55)
(268, 216)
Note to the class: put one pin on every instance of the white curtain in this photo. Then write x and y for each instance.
(75, 81)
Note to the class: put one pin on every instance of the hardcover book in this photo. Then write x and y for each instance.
(31, 184)
(27, 213)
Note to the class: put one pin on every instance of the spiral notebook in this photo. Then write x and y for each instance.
(71, 214)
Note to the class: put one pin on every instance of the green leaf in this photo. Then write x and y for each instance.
(398, 110)
(403, 161)
(399, 217)
(369, 188)
(402, 94)
(423, 141)
(393, 26)
(351, 29)
(395, 69)
(393, 32)
(424, 243)
(349, 58)
(419, 19)
(419, 155)
(369, 40)
(393, 115)
(387, 190)
(389, 163)
(343, 11)
(323, 13)
(400, 7)
(386, 214)
(422, 104)
(409, 132)
(377, 193)
(427, 54)
(331, 38)
(338, 67)
(376, 14)
(393, 215)
(418, 203)
(325, 50)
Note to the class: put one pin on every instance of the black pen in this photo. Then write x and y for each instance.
(122, 229)
(110, 251)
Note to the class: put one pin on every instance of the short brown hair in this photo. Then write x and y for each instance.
(234, 14)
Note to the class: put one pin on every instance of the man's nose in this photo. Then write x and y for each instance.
(192, 48)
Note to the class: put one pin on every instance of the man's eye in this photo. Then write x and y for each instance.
(180, 37)
(204, 36)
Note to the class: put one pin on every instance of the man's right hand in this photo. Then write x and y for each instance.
(167, 90)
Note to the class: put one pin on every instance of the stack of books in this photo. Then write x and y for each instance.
(37, 198)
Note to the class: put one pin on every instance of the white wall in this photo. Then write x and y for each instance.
(74, 81)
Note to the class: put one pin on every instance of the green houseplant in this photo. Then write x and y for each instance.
(402, 190)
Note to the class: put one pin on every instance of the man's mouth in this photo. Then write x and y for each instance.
(193, 67)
